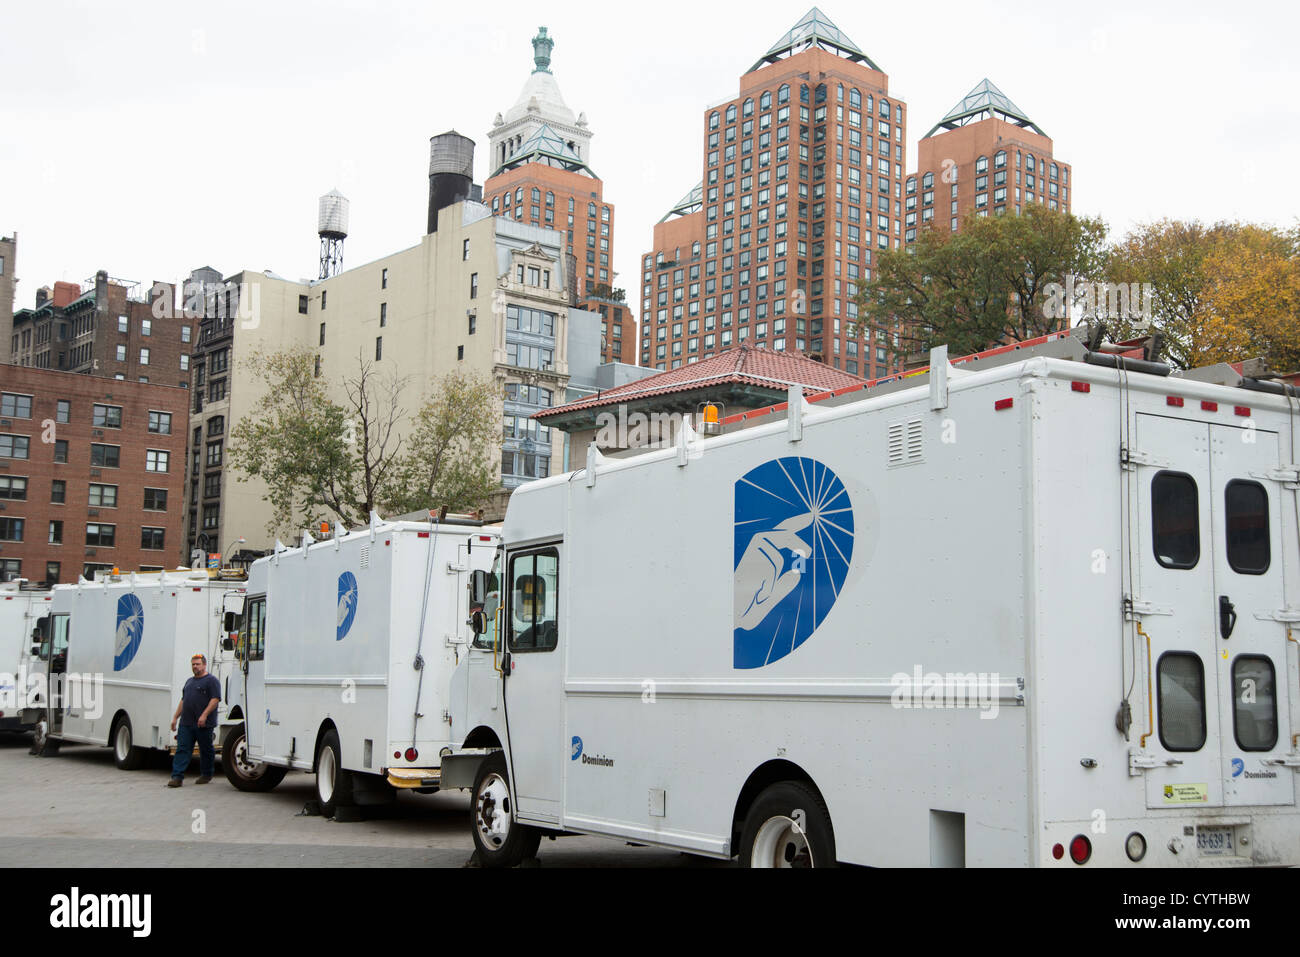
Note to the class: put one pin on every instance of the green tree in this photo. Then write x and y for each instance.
(988, 284)
(453, 452)
(1222, 293)
(340, 461)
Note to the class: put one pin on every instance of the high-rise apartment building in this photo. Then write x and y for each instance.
(985, 156)
(802, 185)
(540, 161)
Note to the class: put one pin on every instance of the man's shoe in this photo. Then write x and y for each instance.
(174, 783)
(204, 779)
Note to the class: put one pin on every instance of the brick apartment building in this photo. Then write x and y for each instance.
(540, 155)
(802, 185)
(112, 328)
(91, 474)
(985, 156)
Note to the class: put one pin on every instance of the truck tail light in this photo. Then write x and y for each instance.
(1080, 849)
(412, 754)
(1058, 851)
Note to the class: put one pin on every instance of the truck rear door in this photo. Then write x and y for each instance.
(1207, 532)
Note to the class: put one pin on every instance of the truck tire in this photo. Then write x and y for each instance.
(44, 746)
(126, 755)
(244, 774)
(498, 838)
(333, 784)
(788, 826)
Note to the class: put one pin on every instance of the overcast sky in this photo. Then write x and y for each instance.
(151, 138)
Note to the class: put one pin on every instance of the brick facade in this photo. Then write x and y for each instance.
(109, 457)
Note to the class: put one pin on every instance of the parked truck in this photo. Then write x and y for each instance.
(1017, 610)
(118, 655)
(347, 651)
(22, 605)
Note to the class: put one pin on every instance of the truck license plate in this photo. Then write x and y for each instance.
(1214, 841)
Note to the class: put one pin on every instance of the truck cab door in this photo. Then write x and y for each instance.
(56, 670)
(534, 684)
(251, 651)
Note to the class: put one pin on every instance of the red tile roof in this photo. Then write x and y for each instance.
(744, 365)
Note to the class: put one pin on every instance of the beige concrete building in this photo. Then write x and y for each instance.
(479, 292)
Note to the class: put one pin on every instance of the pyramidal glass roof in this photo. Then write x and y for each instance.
(814, 30)
(549, 147)
(985, 101)
(692, 202)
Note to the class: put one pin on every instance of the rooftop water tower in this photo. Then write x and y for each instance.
(451, 172)
(332, 225)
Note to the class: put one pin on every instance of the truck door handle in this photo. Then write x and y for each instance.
(1227, 617)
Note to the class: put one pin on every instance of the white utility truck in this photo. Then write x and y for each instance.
(22, 605)
(1031, 614)
(348, 647)
(118, 655)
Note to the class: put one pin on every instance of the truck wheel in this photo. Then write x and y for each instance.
(126, 755)
(499, 839)
(788, 826)
(43, 745)
(333, 784)
(243, 773)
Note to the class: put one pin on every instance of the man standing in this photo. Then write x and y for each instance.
(196, 714)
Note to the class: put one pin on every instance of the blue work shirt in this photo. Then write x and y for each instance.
(195, 697)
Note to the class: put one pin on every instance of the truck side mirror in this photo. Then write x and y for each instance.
(227, 643)
(231, 622)
(478, 621)
(36, 651)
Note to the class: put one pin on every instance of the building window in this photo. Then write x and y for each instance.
(52, 572)
(123, 324)
(160, 422)
(317, 371)
(460, 353)
(144, 357)
(60, 449)
(379, 348)
(152, 538)
(146, 327)
(216, 390)
(11, 529)
(56, 533)
(464, 251)
(58, 492)
(156, 460)
(473, 285)
(105, 456)
(473, 320)
(323, 293)
(212, 485)
(216, 426)
(63, 411)
(302, 305)
(15, 406)
(13, 488)
(121, 352)
(211, 516)
(14, 446)
(102, 496)
(214, 453)
(155, 499)
(101, 536)
(383, 279)
(185, 365)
